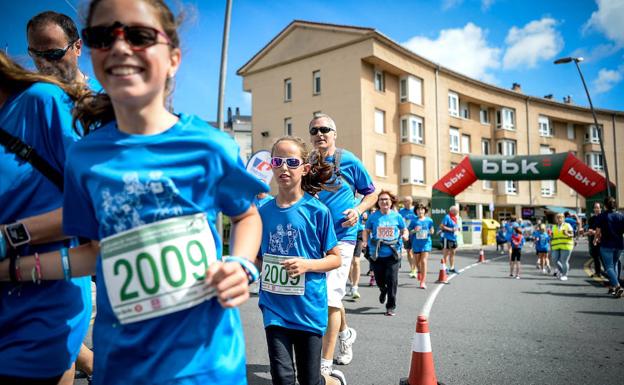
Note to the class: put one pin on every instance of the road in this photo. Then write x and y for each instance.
(486, 328)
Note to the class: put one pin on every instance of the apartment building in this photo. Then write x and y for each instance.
(411, 120)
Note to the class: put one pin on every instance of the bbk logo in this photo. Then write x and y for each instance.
(581, 178)
(509, 167)
(454, 179)
(438, 211)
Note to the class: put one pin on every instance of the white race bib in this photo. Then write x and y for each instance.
(159, 268)
(422, 234)
(386, 232)
(275, 278)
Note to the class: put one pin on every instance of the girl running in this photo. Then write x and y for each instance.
(421, 230)
(517, 241)
(541, 239)
(145, 187)
(298, 246)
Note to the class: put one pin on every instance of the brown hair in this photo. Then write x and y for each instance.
(14, 78)
(320, 171)
(393, 198)
(96, 110)
(419, 206)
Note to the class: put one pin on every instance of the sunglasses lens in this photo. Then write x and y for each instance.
(98, 37)
(313, 131)
(293, 162)
(276, 162)
(141, 37)
(325, 130)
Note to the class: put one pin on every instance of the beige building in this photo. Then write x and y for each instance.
(411, 120)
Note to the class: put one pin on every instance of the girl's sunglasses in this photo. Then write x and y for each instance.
(137, 37)
(277, 162)
(51, 54)
(324, 130)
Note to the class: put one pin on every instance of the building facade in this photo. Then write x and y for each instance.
(411, 120)
(239, 127)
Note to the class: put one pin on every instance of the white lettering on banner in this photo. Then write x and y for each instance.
(509, 167)
(455, 179)
(581, 178)
(438, 211)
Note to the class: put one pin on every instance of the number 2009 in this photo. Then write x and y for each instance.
(146, 260)
(273, 273)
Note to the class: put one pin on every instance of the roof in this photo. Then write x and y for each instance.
(372, 33)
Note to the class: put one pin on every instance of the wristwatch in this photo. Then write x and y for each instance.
(16, 234)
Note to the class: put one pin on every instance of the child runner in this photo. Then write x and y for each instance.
(517, 241)
(541, 239)
(501, 239)
(298, 246)
(421, 230)
(146, 187)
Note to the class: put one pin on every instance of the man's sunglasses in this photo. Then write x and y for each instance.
(51, 54)
(277, 162)
(324, 130)
(137, 37)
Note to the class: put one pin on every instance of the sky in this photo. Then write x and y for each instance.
(496, 41)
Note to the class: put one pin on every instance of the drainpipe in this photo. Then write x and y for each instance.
(437, 123)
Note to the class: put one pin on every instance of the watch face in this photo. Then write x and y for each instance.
(17, 234)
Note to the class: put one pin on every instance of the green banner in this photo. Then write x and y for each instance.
(440, 203)
(530, 167)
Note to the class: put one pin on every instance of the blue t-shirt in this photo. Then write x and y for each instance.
(501, 235)
(448, 222)
(354, 177)
(41, 326)
(572, 222)
(261, 202)
(509, 228)
(387, 227)
(304, 230)
(420, 234)
(542, 241)
(408, 215)
(116, 181)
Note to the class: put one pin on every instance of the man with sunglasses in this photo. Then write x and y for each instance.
(350, 177)
(54, 45)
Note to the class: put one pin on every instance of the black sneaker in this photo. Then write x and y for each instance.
(382, 297)
(618, 292)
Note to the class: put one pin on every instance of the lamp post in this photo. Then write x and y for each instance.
(576, 61)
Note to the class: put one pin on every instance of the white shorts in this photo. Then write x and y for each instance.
(337, 278)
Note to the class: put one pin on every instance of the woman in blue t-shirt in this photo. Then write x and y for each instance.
(541, 239)
(299, 246)
(385, 228)
(145, 186)
(421, 230)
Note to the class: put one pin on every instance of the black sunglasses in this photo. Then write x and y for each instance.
(51, 54)
(277, 162)
(137, 37)
(324, 130)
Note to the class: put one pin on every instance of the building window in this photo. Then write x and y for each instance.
(380, 163)
(511, 187)
(465, 143)
(287, 90)
(410, 89)
(464, 110)
(545, 128)
(506, 147)
(548, 187)
(380, 121)
(412, 129)
(594, 160)
(380, 81)
(484, 115)
(288, 126)
(412, 169)
(453, 101)
(454, 139)
(505, 119)
(593, 134)
(571, 133)
(316, 82)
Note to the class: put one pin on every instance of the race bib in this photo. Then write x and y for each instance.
(275, 278)
(386, 232)
(422, 234)
(158, 268)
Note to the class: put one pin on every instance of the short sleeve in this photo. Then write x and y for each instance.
(78, 214)
(362, 180)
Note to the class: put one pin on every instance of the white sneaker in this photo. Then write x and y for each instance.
(355, 294)
(564, 278)
(326, 369)
(346, 351)
(337, 374)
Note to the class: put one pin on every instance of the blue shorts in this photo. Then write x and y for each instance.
(425, 249)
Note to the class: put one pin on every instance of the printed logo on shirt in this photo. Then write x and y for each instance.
(283, 239)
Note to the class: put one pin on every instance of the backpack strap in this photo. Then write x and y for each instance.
(28, 154)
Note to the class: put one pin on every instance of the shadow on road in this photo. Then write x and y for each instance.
(569, 295)
(252, 374)
(614, 313)
(365, 310)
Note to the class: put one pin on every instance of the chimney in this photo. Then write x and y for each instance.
(567, 99)
(516, 87)
(549, 96)
(237, 111)
(229, 116)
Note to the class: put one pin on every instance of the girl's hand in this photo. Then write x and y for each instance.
(230, 281)
(295, 266)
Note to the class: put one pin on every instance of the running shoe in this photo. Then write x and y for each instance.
(390, 313)
(611, 291)
(346, 348)
(412, 274)
(454, 271)
(423, 285)
(564, 278)
(337, 374)
(548, 269)
(517, 277)
(618, 292)
(355, 294)
(372, 281)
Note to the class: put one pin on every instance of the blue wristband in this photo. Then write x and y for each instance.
(65, 263)
(250, 269)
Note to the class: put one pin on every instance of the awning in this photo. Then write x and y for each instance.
(559, 209)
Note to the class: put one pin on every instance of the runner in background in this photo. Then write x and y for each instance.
(541, 240)
(122, 197)
(408, 215)
(298, 246)
(517, 241)
(421, 229)
(594, 249)
(501, 238)
(450, 228)
(609, 233)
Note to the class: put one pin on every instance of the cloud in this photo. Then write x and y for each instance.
(465, 50)
(607, 79)
(596, 53)
(486, 4)
(608, 20)
(537, 40)
(448, 4)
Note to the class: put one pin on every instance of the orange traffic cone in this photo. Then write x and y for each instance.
(481, 256)
(422, 370)
(442, 277)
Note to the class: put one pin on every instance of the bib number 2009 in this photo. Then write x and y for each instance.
(158, 268)
(275, 278)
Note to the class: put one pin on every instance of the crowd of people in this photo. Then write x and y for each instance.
(102, 179)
